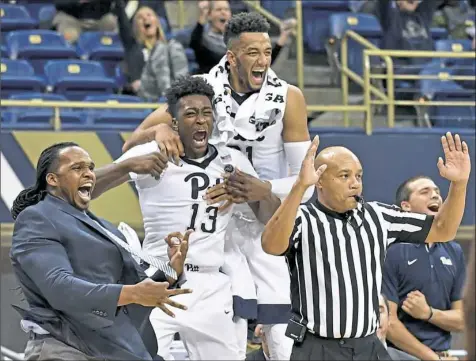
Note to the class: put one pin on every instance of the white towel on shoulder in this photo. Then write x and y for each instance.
(255, 115)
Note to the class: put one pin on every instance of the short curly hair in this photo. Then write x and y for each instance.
(244, 23)
(187, 85)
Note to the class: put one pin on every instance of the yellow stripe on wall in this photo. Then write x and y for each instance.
(117, 205)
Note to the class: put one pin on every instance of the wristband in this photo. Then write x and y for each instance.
(431, 314)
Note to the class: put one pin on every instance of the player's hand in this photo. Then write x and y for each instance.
(308, 175)
(177, 250)
(219, 194)
(246, 188)
(153, 163)
(169, 142)
(457, 165)
(416, 306)
(156, 294)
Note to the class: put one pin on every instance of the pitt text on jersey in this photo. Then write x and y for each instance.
(200, 182)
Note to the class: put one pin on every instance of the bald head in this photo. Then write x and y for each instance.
(334, 156)
(342, 180)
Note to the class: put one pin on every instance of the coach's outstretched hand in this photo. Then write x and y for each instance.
(152, 294)
(457, 166)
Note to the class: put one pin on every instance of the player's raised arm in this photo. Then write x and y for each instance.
(296, 141)
(140, 160)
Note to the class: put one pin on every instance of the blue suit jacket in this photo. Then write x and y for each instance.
(72, 273)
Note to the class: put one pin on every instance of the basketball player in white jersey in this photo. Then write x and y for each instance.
(275, 141)
(181, 196)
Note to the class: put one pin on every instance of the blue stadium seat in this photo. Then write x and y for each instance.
(316, 16)
(366, 25)
(455, 46)
(119, 76)
(238, 6)
(39, 46)
(443, 89)
(439, 33)
(190, 54)
(182, 36)
(105, 47)
(77, 79)
(46, 13)
(193, 68)
(39, 118)
(115, 119)
(278, 8)
(18, 76)
(16, 17)
(4, 51)
(164, 25)
(41, 12)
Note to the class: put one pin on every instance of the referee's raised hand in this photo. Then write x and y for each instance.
(457, 166)
(308, 174)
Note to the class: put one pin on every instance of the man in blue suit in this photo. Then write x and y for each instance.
(88, 298)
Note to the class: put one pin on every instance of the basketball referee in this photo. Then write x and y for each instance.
(335, 247)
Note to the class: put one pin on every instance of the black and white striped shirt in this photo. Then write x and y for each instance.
(336, 263)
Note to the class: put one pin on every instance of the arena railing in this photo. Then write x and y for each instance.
(390, 100)
(386, 94)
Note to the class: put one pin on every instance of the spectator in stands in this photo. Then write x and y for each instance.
(157, 5)
(406, 26)
(452, 15)
(384, 322)
(75, 16)
(152, 62)
(423, 283)
(207, 36)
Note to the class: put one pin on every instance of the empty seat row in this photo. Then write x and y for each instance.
(39, 46)
(368, 26)
(75, 79)
(16, 17)
(444, 89)
(74, 118)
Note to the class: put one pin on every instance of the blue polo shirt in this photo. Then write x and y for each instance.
(437, 271)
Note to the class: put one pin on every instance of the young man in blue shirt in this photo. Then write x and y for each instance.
(424, 282)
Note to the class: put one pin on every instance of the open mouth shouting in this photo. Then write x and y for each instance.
(258, 76)
(85, 192)
(434, 207)
(200, 138)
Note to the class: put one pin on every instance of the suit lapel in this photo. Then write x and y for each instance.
(89, 219)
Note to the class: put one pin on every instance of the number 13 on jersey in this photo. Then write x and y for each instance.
(208, 222)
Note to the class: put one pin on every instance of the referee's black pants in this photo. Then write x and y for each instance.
(316, 348)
